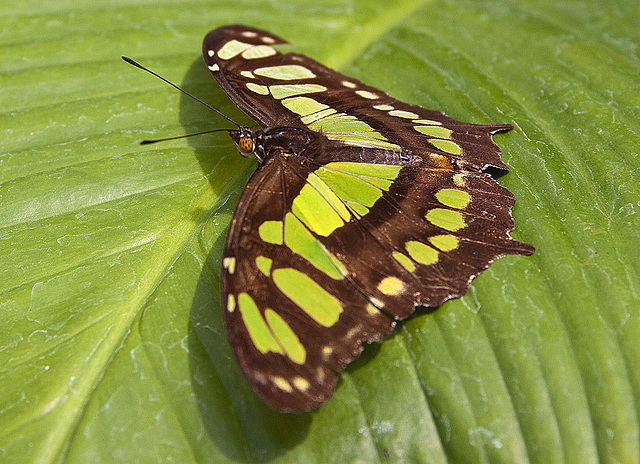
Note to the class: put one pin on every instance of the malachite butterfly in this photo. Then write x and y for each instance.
(361, 208)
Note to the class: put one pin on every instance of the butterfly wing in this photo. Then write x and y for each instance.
(387, 210)
(429, 232)
(292, 318)
(292, 90)
(325, 255)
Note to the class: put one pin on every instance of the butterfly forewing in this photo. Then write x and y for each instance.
(294, 90)
(363, 208)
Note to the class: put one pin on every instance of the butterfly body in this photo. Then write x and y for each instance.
(361, 209)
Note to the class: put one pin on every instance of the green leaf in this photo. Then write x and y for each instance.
(112, 347)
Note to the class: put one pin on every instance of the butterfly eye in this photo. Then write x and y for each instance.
(245, 144)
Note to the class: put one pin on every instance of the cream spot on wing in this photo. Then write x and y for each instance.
(367, 94)
(211, 52)
(231, 303)
(214, 67)
(268, 40)
(391, 286)
(372, 309)
(249, 34)
(383, 107)
(327, 351)
(459, 180)
(301, 383)
(248, 74)
(353, 331)
(229, 264)
(281, 383)
(348, 84)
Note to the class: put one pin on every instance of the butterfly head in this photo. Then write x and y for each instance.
(245, 140)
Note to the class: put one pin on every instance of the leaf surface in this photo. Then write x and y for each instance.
(112, 347)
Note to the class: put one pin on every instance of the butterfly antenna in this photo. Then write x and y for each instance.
(147, 142)
(138, 65)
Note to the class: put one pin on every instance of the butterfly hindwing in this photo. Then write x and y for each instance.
(333, 253)
(430, 232)
(292, 90)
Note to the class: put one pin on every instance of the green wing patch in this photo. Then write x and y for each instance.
(356, 187)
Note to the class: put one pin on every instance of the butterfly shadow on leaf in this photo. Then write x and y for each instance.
(227, 406)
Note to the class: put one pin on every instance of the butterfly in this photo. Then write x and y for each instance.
(361, 208)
